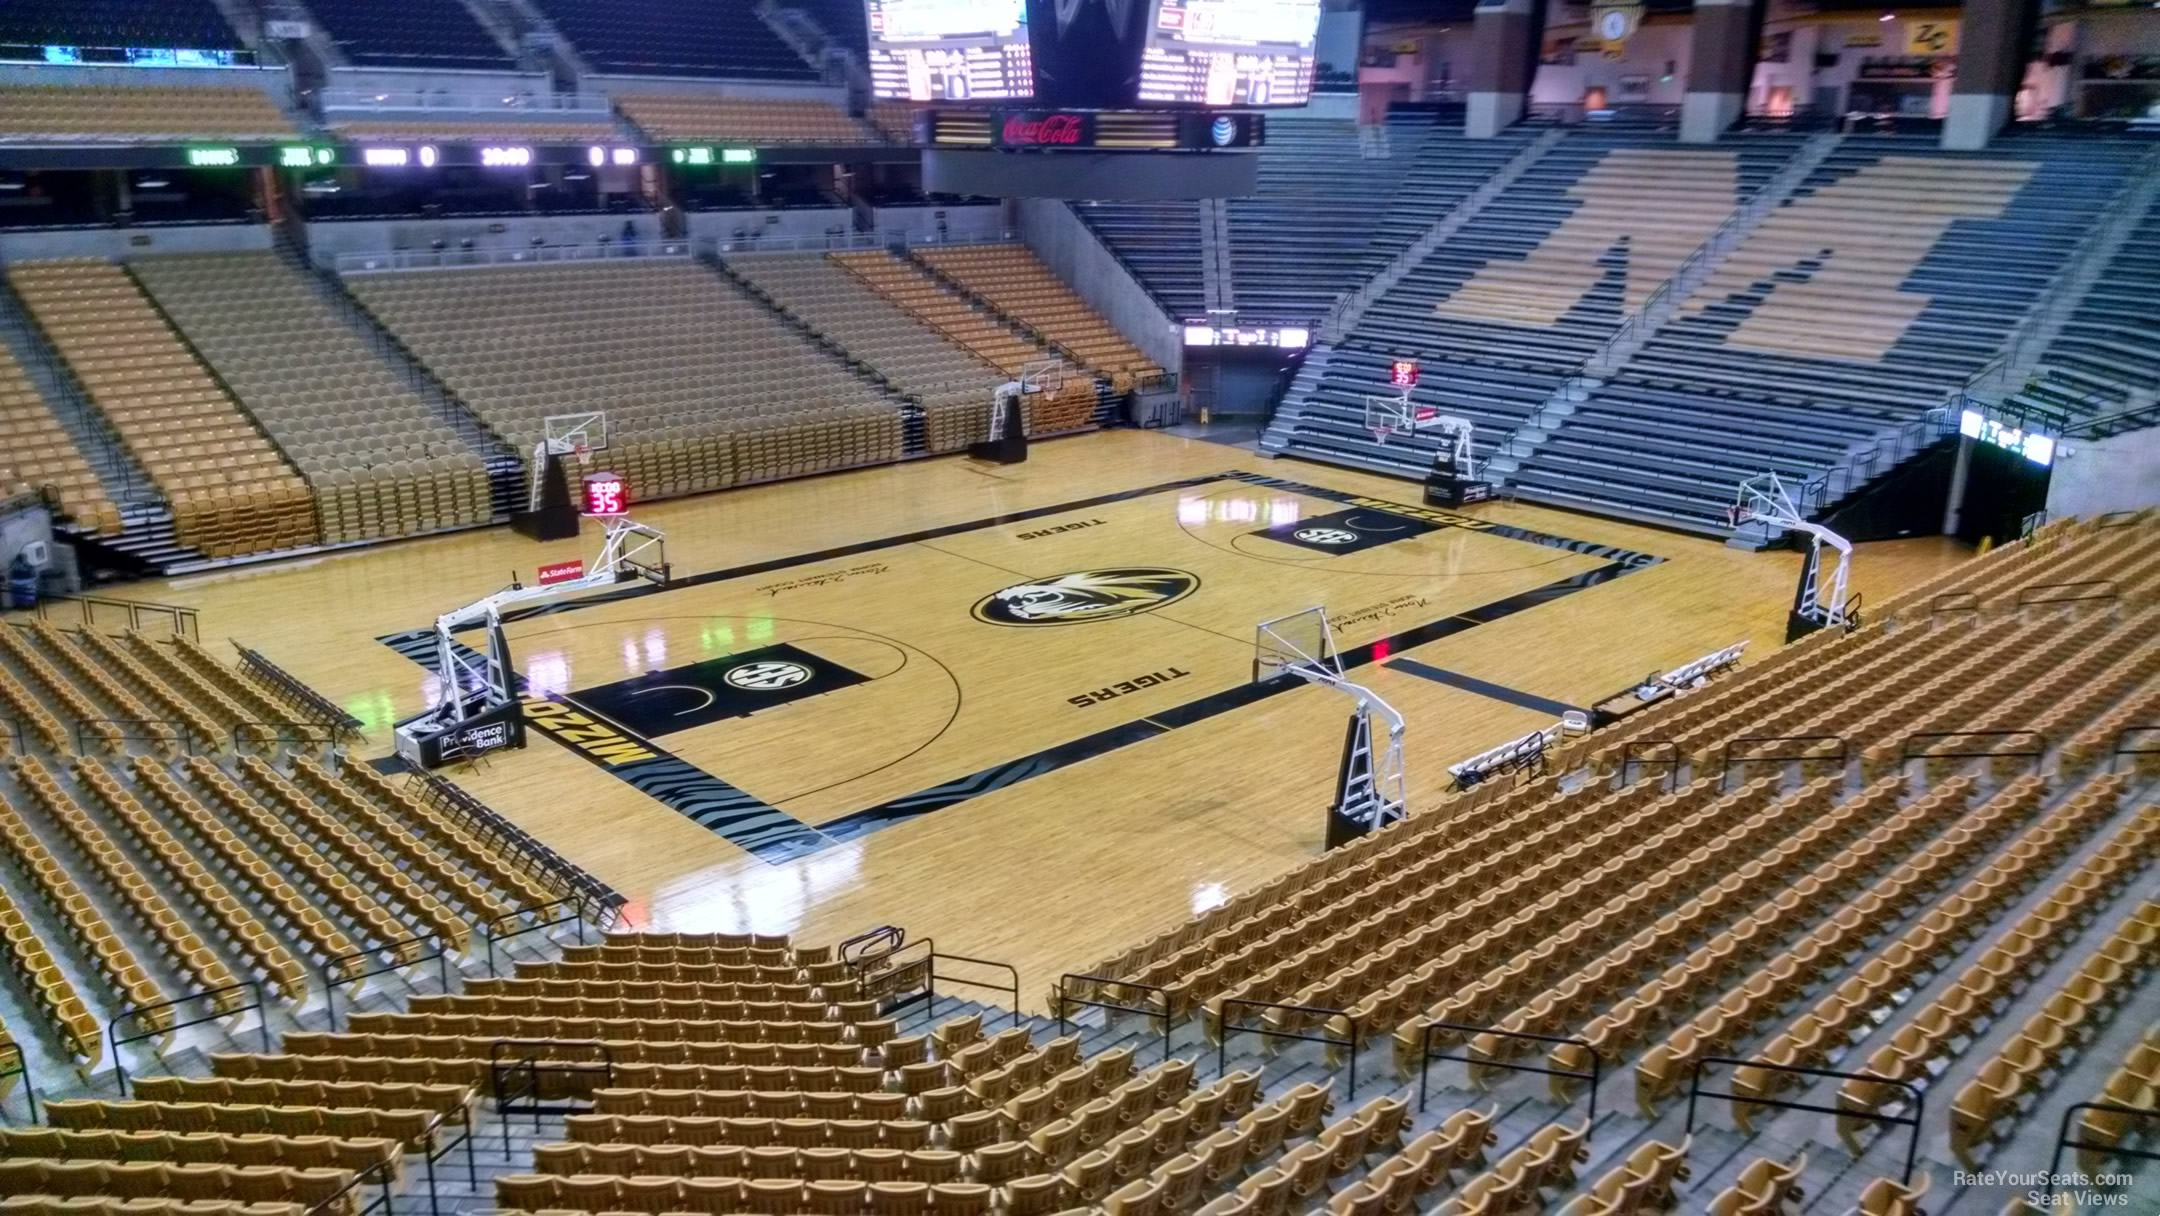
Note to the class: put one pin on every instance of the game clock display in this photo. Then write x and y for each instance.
(605, 494)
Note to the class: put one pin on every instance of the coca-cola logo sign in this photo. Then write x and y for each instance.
(1044, 130)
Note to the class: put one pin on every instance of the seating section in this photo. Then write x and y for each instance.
(1530, 287)
(41, 455)
(381, 462)
(1160, 244)
(436, 34)
(1446, 169)
(704, 388)
(1892, 274)
(953, 386)
(703, 116)
(1013, 283)
(165, 864)
(194, 25)
(1068, 400)
(1713, 907)
(2104, 357)
(894, 120)
(1307, 234)
(725, 38)
(842, 21)
(78, 112)
(232, 492)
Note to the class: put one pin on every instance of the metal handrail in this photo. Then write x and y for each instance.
(1726, 759)
(332, 967)
(186, 622)
(1913, 1121)
(489, 927)
(1064, 999)
(2063, 1140)
(114, 1040)
(1596, 1075)
(1229, 1026)
(20, 1068)
(2125, 747)
(180, 733)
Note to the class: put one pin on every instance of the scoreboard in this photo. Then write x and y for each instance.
(1117, 53)
(1230, 52)
(950, 50)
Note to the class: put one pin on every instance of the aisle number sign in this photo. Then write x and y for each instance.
(1931, 37)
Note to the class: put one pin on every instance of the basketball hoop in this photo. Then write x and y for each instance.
(583, 451)
(1380, 432)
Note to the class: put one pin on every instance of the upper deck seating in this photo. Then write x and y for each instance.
(433, 34)
(1893, 273)
(723, 38)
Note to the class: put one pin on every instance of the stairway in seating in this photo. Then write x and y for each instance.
(1220, 292)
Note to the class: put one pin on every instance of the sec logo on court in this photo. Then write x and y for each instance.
(1086, 595)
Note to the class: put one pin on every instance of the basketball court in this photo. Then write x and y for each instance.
(958, 687)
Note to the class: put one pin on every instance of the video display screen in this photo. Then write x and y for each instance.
(1230, 52)
(950, 50)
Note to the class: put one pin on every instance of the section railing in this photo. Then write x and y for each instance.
(176, 620)
(534, 255)
(488, 102)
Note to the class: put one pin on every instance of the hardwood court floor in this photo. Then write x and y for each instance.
(1039, 793)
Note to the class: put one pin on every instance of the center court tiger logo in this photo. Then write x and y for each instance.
(1087, 595)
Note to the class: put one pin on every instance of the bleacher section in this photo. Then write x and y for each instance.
(39, 453)
(380, 461)
(704, 388)
(232, 493)
(1307, 235)
(1447, 168)
(2108, 351)
(1929, 900)
(694, 116)
(170, 869)
(78, 112)
(953, 386)
(1011, 280)
(1892, 274)
(194, 25)
(1160, 244)
(1522, 294)
(431, 34)
(1068, 406)
(723, 38)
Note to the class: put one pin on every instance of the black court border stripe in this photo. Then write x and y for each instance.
(774, 836)
(1484, 688)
